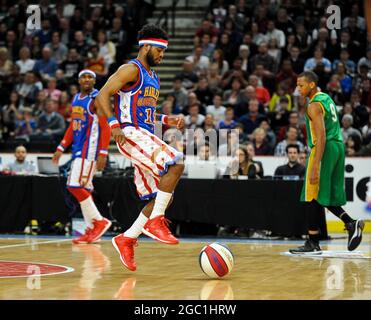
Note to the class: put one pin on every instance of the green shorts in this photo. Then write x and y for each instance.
(330, 190)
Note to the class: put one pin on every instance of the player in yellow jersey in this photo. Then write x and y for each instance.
(324, 177)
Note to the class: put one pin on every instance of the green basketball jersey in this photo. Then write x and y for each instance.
(331, 120)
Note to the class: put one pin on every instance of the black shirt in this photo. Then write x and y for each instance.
(287, 170)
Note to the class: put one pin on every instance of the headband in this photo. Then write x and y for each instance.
(92, 73)
(154, 42)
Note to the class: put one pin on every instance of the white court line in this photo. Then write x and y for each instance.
(32, 243)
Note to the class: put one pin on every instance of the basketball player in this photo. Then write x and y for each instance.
(324, 176)
(89, 136)
(157, 166)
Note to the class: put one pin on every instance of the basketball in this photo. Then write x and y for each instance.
(216, 260)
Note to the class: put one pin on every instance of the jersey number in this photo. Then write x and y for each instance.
(76, 125)
(333, 112)
(149, 113)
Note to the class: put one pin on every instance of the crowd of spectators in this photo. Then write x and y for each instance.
(243, 68)
(38, 69)
(241, 73)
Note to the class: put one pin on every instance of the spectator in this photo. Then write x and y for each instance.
(230, 97)
(270, 135)
(107, 49)
(20, 165)
(345, 80)
(264, 58)
(286, 76)
(274, 33)
(365, 60)
(236, 72)
(51, 91)
(350, 65)
(45, 33)
(65, 106)
(293, 121)
(275, 104)
(79, 43)
(6, 64)
(347, 129)
(28, 89)
(296, 62)
(66, 34)
(203, 92)
(228, 122)
(24, 63)
(262, 94)
(261, 145)
(9, 114)
(293, 168)
(208, 123)
(291, 138)
(366, 130)
(200, 62)
(252, 119)
(228, 48)
(188, 76)
(208, 28)
(259, 173)
(194, 119)
(216, 109)
(334, 89)
(179, 92)
(218, 59)
(58, 49)
(50, 124)
(274, 51)
(90, 34)
(244, 54)
(303, 158)
(257, 37)
(207, 47)
(96, 62)
(311, 63)
(241, 165)
(24, 125)
(213, 77)
(72, 66)
(77, 22)
(353, 145)
(46, 66)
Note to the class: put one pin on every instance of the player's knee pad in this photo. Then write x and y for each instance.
(80, 194)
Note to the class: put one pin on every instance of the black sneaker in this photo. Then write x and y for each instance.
(309, 247)
(354, 229)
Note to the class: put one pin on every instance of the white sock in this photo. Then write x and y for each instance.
(90, 211)
(161, 202)
(136, 228)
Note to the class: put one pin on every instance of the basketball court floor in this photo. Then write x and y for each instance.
(54, 268)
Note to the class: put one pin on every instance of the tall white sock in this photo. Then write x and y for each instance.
(136, 229)
(90, 211)
(161, 202)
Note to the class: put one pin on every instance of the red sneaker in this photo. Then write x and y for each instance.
(83, 239)
(125, 247)
(157, 228)
(100, 227)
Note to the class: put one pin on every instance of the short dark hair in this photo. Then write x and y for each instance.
(310, 76)
(152, 31)
(292, 145)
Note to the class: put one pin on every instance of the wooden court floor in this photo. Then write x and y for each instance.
(172, 272)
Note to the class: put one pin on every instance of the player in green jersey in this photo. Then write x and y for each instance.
(324, 177)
